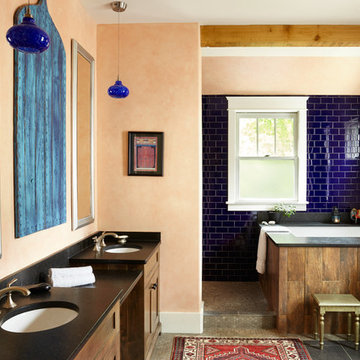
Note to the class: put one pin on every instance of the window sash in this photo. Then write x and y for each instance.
(269, 115)
(294, 158)
(261, 105)
(290, 199)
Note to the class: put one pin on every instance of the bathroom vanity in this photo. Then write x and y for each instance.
(118, 315)
(139, 316)
(93, 333)
(315, 260)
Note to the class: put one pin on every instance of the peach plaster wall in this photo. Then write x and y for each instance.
(273, 75)
(160, 64)
(71, 22)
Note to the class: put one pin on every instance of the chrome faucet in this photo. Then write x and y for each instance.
(9, 303)
(100, 242)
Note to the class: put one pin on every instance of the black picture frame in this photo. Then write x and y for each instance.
(145, 153)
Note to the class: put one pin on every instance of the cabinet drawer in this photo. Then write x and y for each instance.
(151, 265)
(111, 351)
(101, 343)
(151, 320)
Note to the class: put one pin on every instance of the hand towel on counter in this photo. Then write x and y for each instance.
(70, 271)
(71, 276)
(261, 253)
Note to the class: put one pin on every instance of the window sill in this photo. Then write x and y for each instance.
(260, 207)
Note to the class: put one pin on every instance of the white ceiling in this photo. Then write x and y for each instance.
(230, 12)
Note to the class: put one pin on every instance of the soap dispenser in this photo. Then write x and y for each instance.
(335, 215)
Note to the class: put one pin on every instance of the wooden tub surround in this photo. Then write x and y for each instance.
(300, 267)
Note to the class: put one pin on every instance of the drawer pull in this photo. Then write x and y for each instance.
(114, 320)
(154, 286)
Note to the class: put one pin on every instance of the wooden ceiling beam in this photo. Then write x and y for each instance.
(279, 35)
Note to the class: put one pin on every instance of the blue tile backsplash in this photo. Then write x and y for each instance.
(333, 153)
(229, 237)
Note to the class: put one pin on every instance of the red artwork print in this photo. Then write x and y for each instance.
(145, 150)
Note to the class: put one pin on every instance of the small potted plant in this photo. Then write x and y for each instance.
(280, 210)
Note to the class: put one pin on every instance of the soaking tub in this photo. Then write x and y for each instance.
(325, 231)
(317, 235)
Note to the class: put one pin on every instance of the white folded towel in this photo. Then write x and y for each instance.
(72, 276)
(70, 271)
(261, 253)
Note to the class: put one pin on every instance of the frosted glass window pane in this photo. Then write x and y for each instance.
(267, 179)
(266, 128)
(285, 137)
(247, 137)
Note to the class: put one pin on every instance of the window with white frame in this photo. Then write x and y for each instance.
(267, 152)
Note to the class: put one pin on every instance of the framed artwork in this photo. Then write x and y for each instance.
(145, 153)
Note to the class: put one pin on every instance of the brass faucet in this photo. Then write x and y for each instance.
(100, 242)
(9, 303)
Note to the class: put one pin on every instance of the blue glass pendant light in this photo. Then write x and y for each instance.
(27, 37)
(118, 90)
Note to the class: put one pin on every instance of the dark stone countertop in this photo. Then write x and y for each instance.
(63, 343)
(88, 256)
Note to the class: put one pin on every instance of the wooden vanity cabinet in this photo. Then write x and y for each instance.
(139, 320)
(145, 297)
(104, 343)
(152, 325)
(134, 346)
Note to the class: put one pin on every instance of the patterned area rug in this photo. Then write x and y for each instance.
(211, 348)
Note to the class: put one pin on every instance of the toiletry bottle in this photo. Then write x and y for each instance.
(335, 215)
(353, 214)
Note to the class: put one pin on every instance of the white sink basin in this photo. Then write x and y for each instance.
(40, 319)
(115, 249)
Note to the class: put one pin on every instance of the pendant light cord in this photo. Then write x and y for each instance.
(27, 12)
(118, 41)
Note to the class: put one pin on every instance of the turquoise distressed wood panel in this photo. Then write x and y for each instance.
(39, 131)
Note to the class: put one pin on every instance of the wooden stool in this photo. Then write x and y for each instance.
(336, 303)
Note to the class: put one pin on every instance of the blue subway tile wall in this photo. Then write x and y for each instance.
(230, 237)
(229, 249)
(333, 153)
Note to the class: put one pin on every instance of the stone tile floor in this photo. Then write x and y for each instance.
(230, 297)
(233, 297)
(334, 349)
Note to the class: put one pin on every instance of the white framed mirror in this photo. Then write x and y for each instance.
(83, 69)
